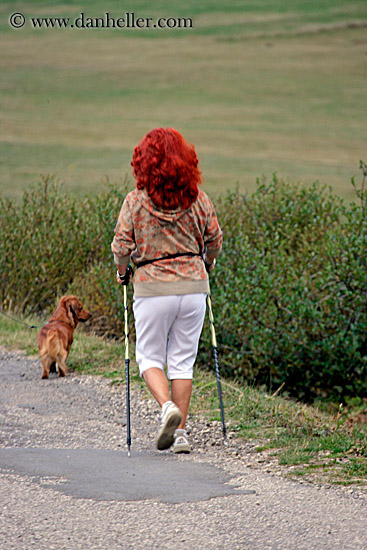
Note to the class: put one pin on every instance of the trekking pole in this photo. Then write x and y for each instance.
(127, 374)
(215, 353)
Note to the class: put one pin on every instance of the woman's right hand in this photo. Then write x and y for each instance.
(125, 278)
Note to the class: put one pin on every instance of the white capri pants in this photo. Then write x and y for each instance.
(168, 330)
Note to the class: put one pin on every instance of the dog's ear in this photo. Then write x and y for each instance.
(71, 312)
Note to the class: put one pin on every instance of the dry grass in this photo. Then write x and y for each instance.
(77, 103)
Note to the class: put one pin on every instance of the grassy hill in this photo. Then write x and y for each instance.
(257, 86)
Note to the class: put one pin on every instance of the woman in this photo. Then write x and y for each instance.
(168, 227)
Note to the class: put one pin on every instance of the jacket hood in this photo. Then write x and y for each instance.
(169, 216)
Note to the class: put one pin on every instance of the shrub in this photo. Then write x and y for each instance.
(49, 239)
(289, 291)
(98, 289)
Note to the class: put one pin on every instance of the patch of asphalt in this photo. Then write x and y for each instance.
(87, 413)
(111, 475)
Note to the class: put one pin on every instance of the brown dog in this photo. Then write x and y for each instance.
(56, 336)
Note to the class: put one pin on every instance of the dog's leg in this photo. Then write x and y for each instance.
(46, 363)
(61, 363)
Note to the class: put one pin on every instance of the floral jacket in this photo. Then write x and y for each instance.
(144, 232)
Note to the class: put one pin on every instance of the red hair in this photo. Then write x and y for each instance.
(167, 167)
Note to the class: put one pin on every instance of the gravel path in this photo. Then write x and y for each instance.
(83, 412)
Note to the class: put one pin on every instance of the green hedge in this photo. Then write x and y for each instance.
(49, 240)
(289, 290)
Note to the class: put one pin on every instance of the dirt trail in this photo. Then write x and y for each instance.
(85, 416)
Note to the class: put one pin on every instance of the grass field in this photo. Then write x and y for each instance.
(258, 87)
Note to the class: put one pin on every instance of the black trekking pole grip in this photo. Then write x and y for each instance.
(127, 373)
(216, 364)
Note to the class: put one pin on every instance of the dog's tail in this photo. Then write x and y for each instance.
(52, 345)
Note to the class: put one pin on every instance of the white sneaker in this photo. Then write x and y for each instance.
(171, 417)
(181, 444)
